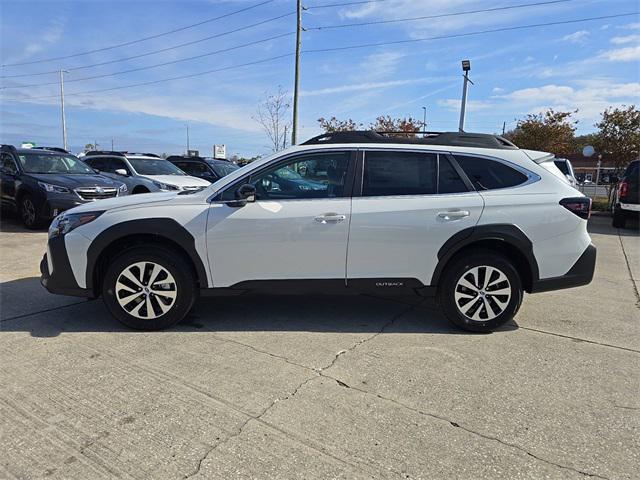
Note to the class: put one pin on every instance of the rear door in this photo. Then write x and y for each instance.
(409, 203)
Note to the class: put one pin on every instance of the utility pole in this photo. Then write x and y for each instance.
(424, 122)
(64, 121)
(296, 85)
(466, 66)
(504, 126)
(187, 152)
(112, 144)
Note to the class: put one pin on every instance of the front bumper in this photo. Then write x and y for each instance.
(581, 273)
(53, 207)
(61, 280)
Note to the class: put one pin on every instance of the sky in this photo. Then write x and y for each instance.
(248, 52)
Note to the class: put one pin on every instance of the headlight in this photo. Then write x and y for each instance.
(53, 188)
(122, 189)
(165, 186)
(66, 222)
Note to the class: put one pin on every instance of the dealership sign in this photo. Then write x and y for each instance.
(220, 151)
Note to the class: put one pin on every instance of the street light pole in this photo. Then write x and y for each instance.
(466, 67)
(296, 84)
(424, 122)
(187, 152)
(64, 121)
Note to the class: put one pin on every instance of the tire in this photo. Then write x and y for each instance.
(483, 311)
(619, 218)
(170, 299)
(29, 213)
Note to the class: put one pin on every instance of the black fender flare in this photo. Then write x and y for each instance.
(502, 232)
(163, 228)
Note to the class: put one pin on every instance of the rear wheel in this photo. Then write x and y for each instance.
(29, 213)
(619, 218)
(149, 288)
(480, 291)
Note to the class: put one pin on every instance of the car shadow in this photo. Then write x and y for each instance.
(48, 315)
(11, 223)
(601, 225)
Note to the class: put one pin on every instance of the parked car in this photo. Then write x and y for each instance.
(143, 172)
(206, 168)
(564, 165)
(625, 195)
(41, 183)
(469, 218)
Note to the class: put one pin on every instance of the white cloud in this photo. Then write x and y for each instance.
(497, 90)
(626, 54)
(472, 105)
(577, 37)
(381, 65)
(635, 38)
(363, 86)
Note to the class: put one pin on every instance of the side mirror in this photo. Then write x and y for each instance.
(245, 194)
(122, 171)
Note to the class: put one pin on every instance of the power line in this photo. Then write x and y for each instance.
(147, 67)
(441, 15)
(519, 27)
(132, 42)
(468, 34)
(153, 82)
(162, 50)
(346, 4)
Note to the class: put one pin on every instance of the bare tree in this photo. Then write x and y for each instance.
(272, 115)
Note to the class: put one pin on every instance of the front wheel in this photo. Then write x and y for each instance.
(29, 213)
(480, 291)
(149, 288)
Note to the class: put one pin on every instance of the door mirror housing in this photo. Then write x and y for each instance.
(245, 194)
(122, 171)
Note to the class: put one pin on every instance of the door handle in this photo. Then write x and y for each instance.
(453, 215)
(330, 218)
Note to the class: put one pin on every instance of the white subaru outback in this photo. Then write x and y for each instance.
(469, 218)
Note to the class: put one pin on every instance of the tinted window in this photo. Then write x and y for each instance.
(489, 174)
(154, 166)
(8, 165)
(632, 169)
(223, 169)
(193, 168)
(562, 166)
(399, 173)
(449, 181)
(48, 163)
(307, 176)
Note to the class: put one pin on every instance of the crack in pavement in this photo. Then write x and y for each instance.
(18, 317)
(466, 429)
(593, 342)
(626, 259)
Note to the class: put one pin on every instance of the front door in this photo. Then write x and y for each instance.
(296, 229)
(8, 173)
(411, 203)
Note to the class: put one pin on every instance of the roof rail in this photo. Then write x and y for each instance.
(143, 154)
(51, 149)
(454, 139)
(103, 152)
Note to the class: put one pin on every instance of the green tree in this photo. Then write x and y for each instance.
(89, 146)
(619, 134)
(550, 131)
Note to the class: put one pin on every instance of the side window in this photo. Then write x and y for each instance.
(8, 165)
(320, 175)
(489, 174)
(97, 163)
(117, 164)
(399, 173)
(448, 180)
(195, 169)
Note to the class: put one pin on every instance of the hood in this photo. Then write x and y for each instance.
(179, 180)
(75, 181)
(126, 201)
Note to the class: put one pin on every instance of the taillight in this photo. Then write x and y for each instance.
(624, 188)
(581, 206)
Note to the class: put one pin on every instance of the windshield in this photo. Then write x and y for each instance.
(154, 166)
(223, 168)
(52, 163)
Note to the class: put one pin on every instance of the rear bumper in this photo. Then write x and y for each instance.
(581, 273)
(61, 280)
(631, 207)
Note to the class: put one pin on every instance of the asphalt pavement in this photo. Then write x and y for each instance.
(322, 387)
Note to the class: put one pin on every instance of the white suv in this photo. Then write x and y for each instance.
(469, 218)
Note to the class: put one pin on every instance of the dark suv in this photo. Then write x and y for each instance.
(210, 169)
(40, 183)
(625, 196)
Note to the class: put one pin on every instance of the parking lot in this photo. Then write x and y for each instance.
(322, 387)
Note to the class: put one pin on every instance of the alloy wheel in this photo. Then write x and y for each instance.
(28, 212)
(482, 293)
(146, 290)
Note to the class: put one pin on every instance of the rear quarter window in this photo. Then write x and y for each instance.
(486, 174)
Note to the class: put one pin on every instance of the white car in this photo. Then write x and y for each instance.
(143, 172)
(469, 218)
